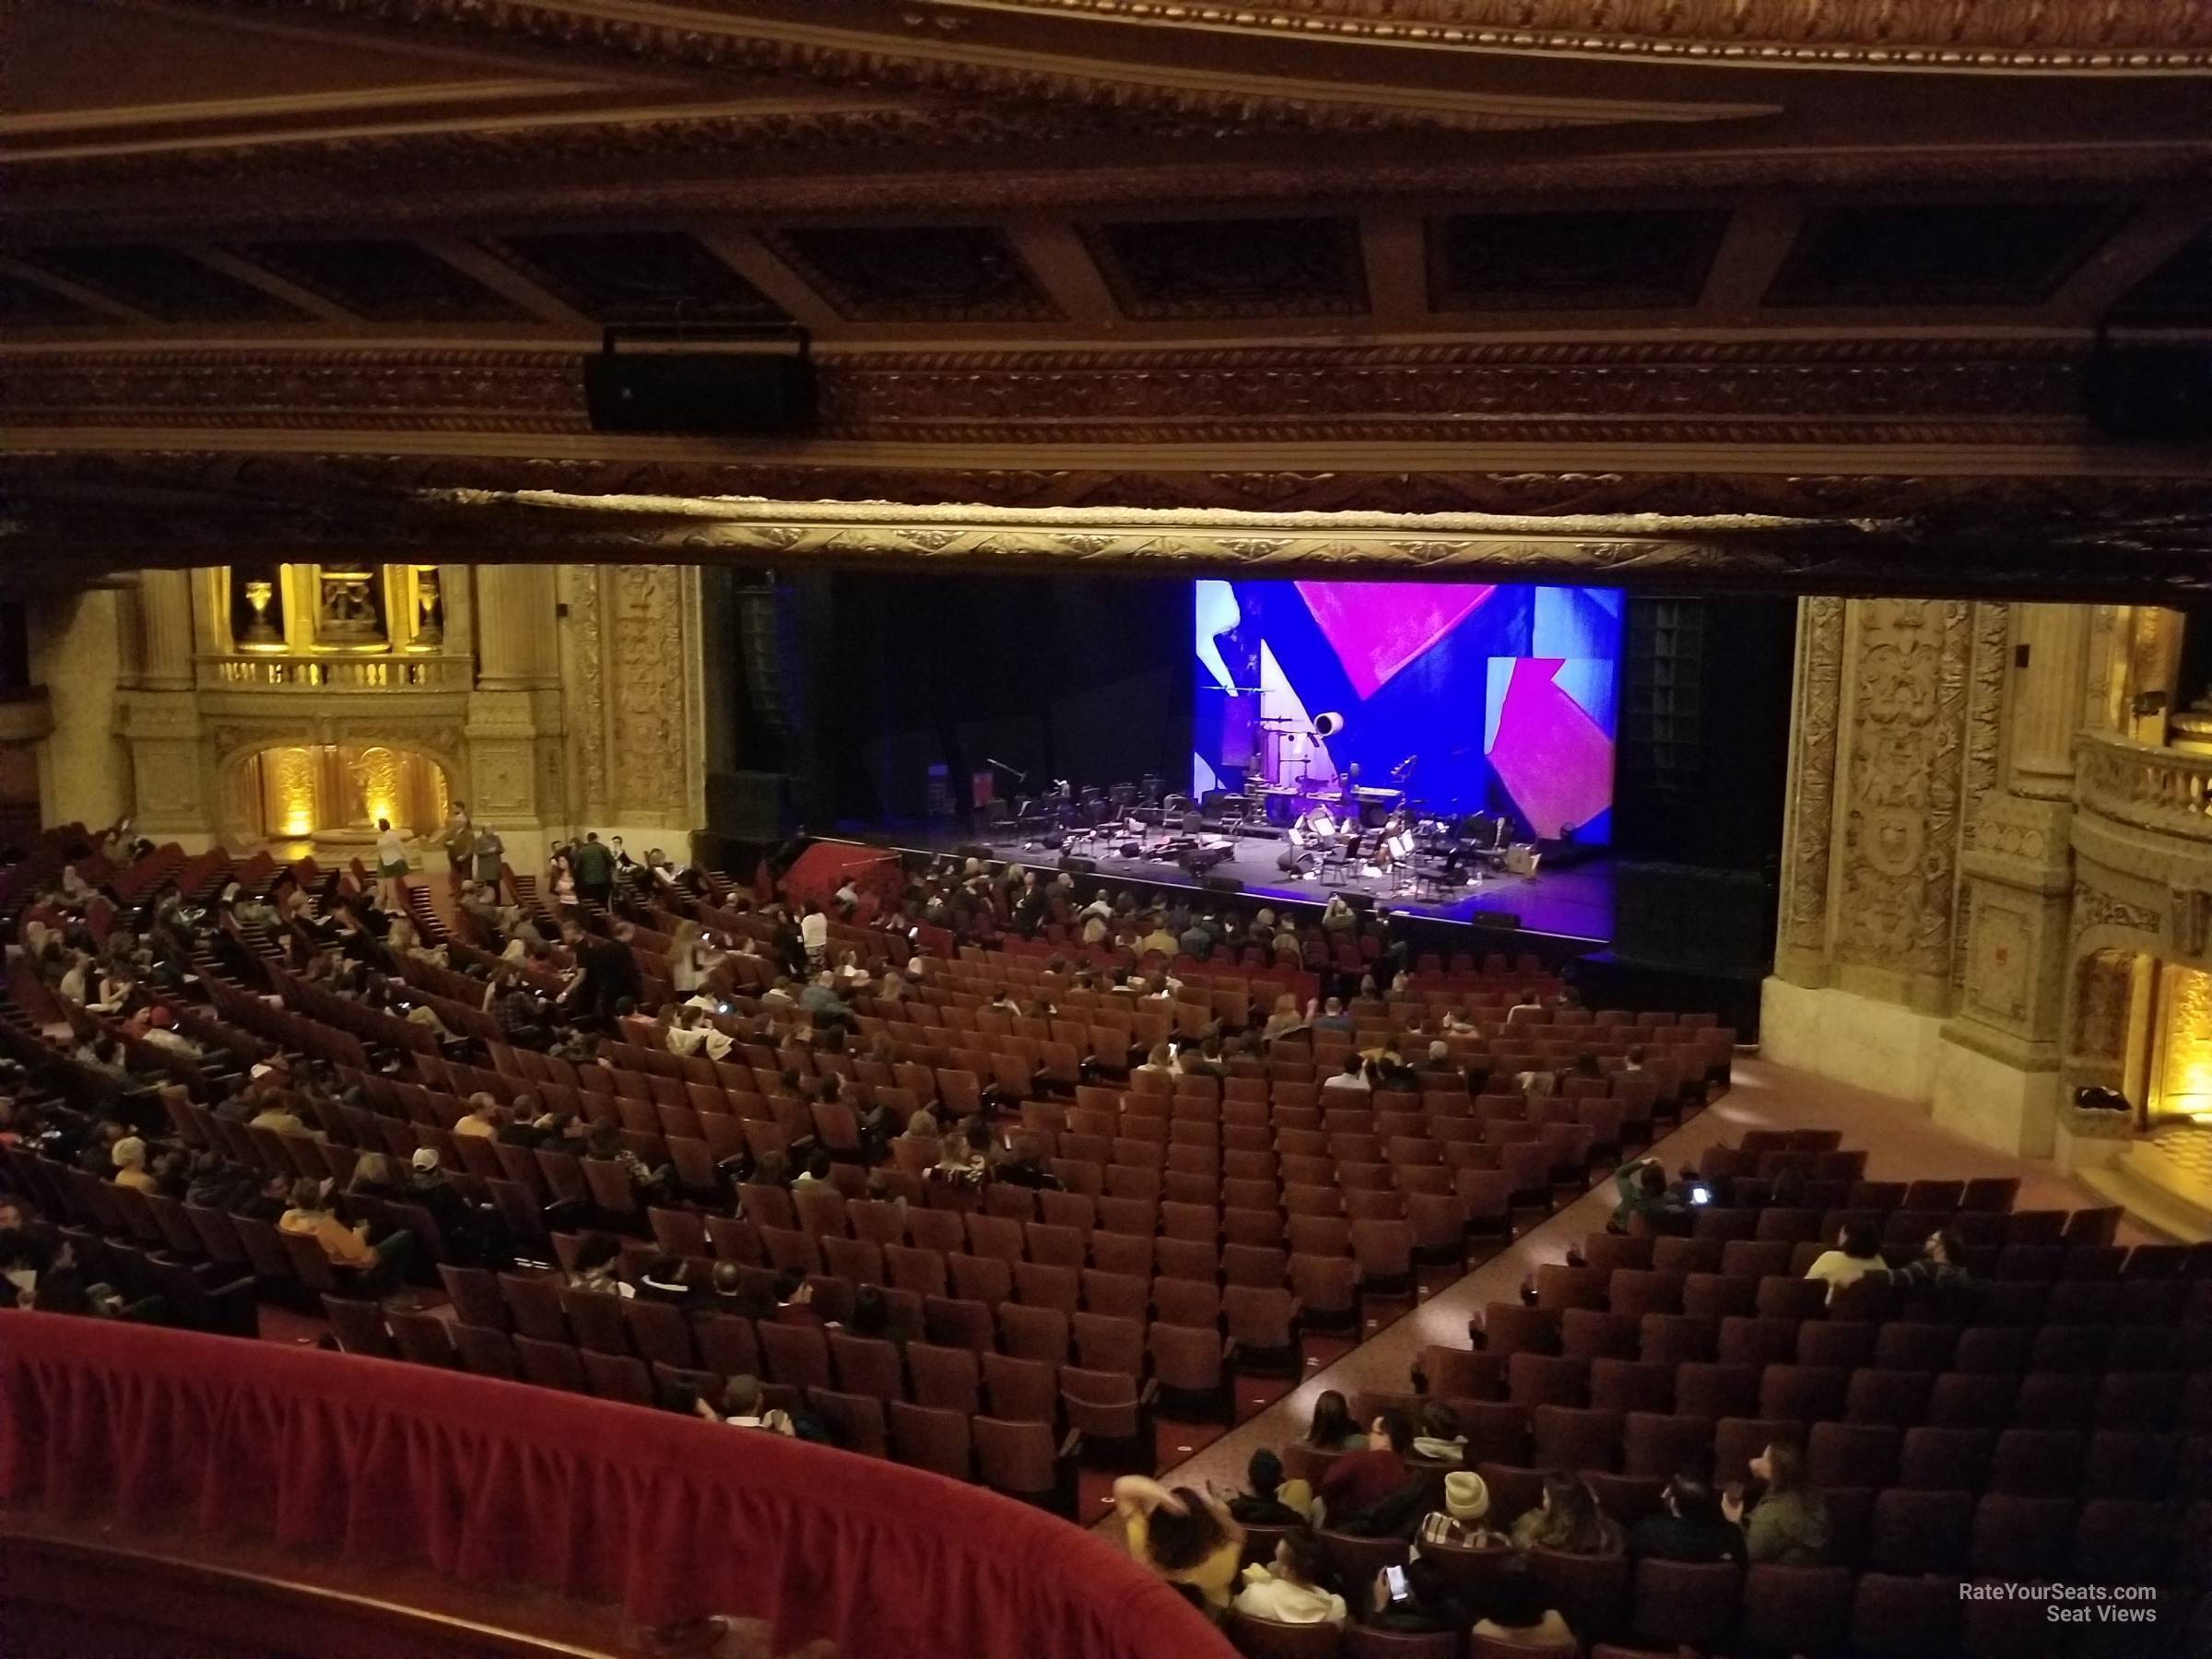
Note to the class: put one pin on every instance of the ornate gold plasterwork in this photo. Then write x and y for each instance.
(1908, 706)
(584, 683)
(645, 655)
(1812, 810)
(2153, 788)
(94, 511)
(1985, 730)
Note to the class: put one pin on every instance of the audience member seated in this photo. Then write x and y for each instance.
(1513, 1607)
(1646, 1195)
(593, 1271)
(373, 1177)
(1786, 1522)
(378, 1265)
(1567, 1519)
(741, 1408)
(1185, 1535)
(278, 1112)
(958, 1164)
(794, 1301)
(1857, 1253)
(1272, 1500)
(1332, 1428)
(1289, 1589)
(1024, 1166)
(1937, 1265)
(1353, 1076)
(1440, 1439)
(130, 1165)
(1460, 1524)
(1689, 1527)
(604, 1145)
(1372, 1493)
(484, 1117)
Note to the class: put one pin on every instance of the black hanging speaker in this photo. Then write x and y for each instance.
(747, 382)
(2149, 393)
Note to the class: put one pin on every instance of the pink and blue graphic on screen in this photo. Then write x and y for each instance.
(1472, 697)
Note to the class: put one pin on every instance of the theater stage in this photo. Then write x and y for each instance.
(1573, 904)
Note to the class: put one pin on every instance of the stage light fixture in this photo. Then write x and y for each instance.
(1329, 725)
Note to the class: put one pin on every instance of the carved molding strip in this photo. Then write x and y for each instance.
(1901, 34)
(501, 182)
(887, 61)
(2090, 537)
(1906, 390)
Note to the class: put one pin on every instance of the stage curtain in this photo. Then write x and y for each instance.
(385, 1464)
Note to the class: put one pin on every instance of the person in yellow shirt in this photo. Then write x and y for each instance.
(380, 1264)
(129, 1154)
(483, 1117)
(1185, 1536)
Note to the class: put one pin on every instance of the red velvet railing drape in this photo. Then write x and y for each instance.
(490, 1481)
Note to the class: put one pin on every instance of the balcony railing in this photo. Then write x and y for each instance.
(247, 671)
(2163, 789)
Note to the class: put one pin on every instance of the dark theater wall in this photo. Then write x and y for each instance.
(853, 684)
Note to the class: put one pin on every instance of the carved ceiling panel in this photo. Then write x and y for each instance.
(162, 282)
(637, 277)
(1270, 267)
(1940, 252)
(1618, 260)
(963, 273)
(382, 280)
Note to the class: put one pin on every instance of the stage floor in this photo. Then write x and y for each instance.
(1571, 904)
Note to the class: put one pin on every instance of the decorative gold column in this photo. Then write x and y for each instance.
(517, 780)
(157, 716)
(2050, 651)
(1809, 821)
(165, 642)
(1894, 731)
(1999, 1079)
(517, 649)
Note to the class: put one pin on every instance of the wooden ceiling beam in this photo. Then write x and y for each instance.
(269, 283)
(1394, 249)
(759, 263)
(503, 279)
(1061, 263)
(74, 292)
(2161, 229)
(1758, 238)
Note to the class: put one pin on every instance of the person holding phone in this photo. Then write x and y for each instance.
(1645, 1195)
